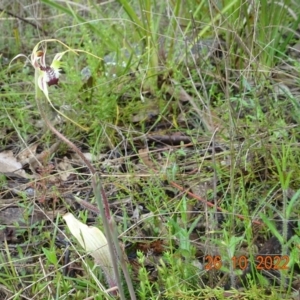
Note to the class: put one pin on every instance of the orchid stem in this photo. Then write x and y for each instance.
(109, 228)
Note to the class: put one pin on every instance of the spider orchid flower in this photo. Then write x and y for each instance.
(46, 75)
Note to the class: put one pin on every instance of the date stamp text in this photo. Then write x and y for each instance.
(262, 262)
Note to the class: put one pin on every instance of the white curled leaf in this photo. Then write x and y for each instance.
(94, 242)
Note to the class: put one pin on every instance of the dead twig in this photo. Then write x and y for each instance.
(39, 28)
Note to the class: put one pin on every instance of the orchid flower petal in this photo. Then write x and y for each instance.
(58, 56)
(43, 86)
(19, 55)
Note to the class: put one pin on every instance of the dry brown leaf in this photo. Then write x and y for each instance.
(26, 155)
(38, 160)
(14, 214)
(9, 164)
(65, 169)
(144, 156)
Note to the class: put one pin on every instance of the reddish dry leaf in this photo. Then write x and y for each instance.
(155, 247)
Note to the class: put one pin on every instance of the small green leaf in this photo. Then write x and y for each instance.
(51, 256)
